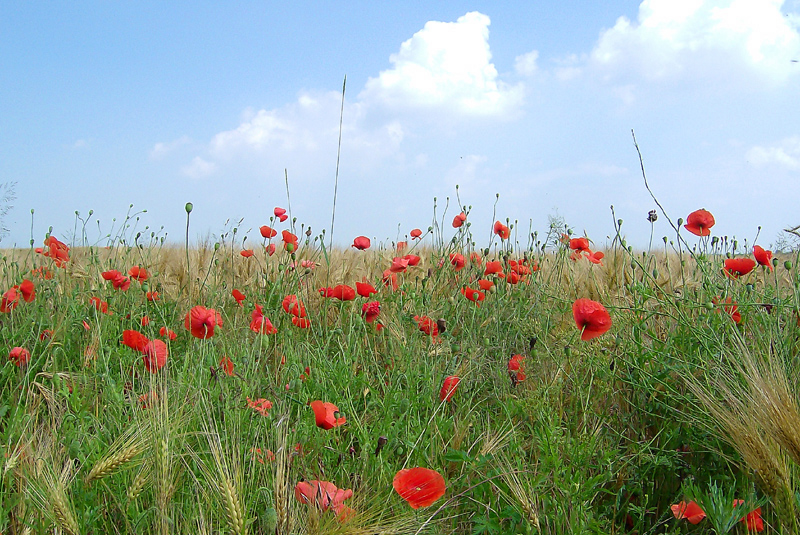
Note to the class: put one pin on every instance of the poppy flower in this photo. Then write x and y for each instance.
(700, 222)
(413, 259)
(591, 318)
(247, 253)
(427, 325)
(325, 414)
(292, 305)
(167, 333)
(399, 265)
(753, 519)
(42, 273)
(101, 306)
(58, 251)
(579, 244)
(302, 323)
(289, 241)
(10, 300)
(46, 334)
(420, 487)
(513, 277)
(201, 321)
(365, 289)
(459, 220)
(416, 234)
(690, 511)
(501, 230)
(268, 232)
(134, 340)
(519, 267)
(28, 290)
(475, 258)
(145, 321)
(390, 280)
(485, 285)
(19, 356)
(516, 368)
(308, 264)
(226, 365)
(370, 311)
(458, 261)
(260, 405)
(401, 246)
(764, 258)
(118, 280)
(323, 494)
(238, 296)
(449, 388)
(270, 249)
(737, 267)
(260, 323)
(729, 306)
(493, 268)
(138, 273)
(473, 295)
(148, 399)
(152, 296)
(596, 257)
(361, 243)
(342, 292)
(280, 213)
(155, 355)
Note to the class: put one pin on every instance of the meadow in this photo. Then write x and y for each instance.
(542, 384)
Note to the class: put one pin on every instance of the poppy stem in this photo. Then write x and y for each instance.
(338, 155)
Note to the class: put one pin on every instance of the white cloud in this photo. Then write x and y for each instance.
(80, 144)
(786, 154)
(199, 168)
(160, 150)
(525, 64)
(445, 66)
(705, 38)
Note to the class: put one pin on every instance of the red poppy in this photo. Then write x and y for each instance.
(10, 300)
(302, 323)
(58, 251)
(459, 220)
(323, 494)
(596, 257)
(138, 273)
(101, 306)
(326, 415)
(390, 280)
(458, 261)
(427, 325)
(729, 306)
(764, 258)
(260, 323)
(152, 296)
(270, 249)
(365, 289)
(289, 241)
(226, 365)
(579, 244)
(46, 334)
(699, 222)
(473, 295)
(42, 272)
(591, 318)
(413, 259)
(145, 321)
(134, 340)
(268, 232)
(737, 267)
(118, 280)
(416, 234)
(19, 356)
(516, 368)
(148, 399)
(753, 519)
(361, 243)
(238, 296)
(399, 265)
(485, 285)
(493, 268)
(449, 388)
(292, 305)
(690, 511)
(513, 277)
(28, 290)
(420, 487)
(370, 311)
(201, 321)
(280, 213)
(401, 246)
(260, 405)
(167, 333)
(247, 253)
(501, 230)
(341, 292)
(155, 355)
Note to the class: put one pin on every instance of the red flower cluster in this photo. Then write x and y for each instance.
(154, 351)
(56, 250)
(118, 280)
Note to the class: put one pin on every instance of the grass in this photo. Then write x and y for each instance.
(602, 436)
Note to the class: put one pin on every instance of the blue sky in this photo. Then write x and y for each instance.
(107, 104)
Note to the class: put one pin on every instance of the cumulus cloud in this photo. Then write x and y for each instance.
(446, 66)
(706, 38)
(785, 154)
(199, 168)
(525, 64)
(162, 149)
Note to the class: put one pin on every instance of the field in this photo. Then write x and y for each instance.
(535, 386)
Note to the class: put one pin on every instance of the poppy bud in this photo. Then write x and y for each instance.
(619, 222)
(655, 273)
(680, 221)
(787, 265)
(775, 262)
(709, 306)
(381, 443)
(189, 206)
(216, 246)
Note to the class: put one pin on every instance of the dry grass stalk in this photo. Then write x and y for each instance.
(283, 487)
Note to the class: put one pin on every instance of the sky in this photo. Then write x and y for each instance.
(522, 109)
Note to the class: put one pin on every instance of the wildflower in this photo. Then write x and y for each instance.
(699, 222)
(260, 405)
(399, 265)
(501, 230)
(729, 306)
(302, 323)
(292, 305)
(201, 321)
(280, 213)
(427, 325)
(596, 257)
(449, 388)
(118, 280)
(28, 290)
(401, 246)
(365, 289)
(458, 261)
(308, 264)
(370, 311)
(238, 296)
(494, 268)
(247, 253)
(416, 234)
(420, 487)
(134, 340)
(513, 277)
(473, 295)
(325, 495)
(737, 267)
(516, 369)
(260, 323)
(148, 399)
(145, 321)
(152, 296)
(46, 334)
(591, 318)
(138, 273)
(167, 333)
(226, 365)
(289, 241)
(690, 511)
(361, 243)
(579, 245)
(389, 279)
(270, 249)
(413, 259)
(327, 415)
(764, 258)
(342, 292)
(486, 285)
(10, 300)
(19, 356)
(475, 258)
(753, 519)
(155, 355)
(268, 232)
(101, 306)
(459, 220)
(58, 251)
(42, 273)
